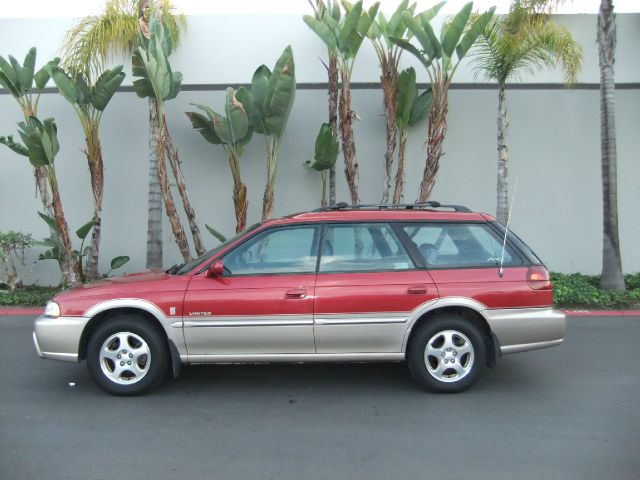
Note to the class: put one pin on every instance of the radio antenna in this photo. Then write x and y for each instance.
(506, 230)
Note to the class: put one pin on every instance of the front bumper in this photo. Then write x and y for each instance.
(58, 338)
(523, 329)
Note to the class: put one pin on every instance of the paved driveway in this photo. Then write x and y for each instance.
(570, 412)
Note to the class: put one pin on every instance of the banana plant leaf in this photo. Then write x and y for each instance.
(49, 221)
(472, 34)
(407, 94)
(204, 125)
(40, 141)
(452, 31)
(118, 262)
(151, 66)
(326, 150)
(84, 230)
(105, 87)
(233, 127)
(16, 147)
(280, 94)
(220, 237)
(42, 76)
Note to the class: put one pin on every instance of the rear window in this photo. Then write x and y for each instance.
(460, 245)
(513, 239)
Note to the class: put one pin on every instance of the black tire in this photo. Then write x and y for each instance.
(465, 359)
(141, 371)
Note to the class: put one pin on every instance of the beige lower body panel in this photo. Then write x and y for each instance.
(523, 329)
(361, 333)
(211, 336)
(58, 338)
(295, 358)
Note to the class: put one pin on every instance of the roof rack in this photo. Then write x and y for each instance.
(430, 205)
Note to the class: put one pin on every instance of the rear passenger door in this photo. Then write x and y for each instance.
(367, 284)
(464, 261)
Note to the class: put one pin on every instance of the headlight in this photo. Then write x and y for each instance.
(52, 310)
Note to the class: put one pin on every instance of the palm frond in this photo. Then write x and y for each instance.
(91, 44)
(526, 40)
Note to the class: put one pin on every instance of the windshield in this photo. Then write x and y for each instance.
(187, 267)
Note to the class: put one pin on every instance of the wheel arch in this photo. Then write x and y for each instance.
(102, 312)
(466, 308)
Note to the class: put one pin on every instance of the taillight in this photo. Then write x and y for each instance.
(538, 278)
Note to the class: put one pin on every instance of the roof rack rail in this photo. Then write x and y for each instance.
(432, 204)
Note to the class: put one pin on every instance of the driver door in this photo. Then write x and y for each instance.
(263, 304)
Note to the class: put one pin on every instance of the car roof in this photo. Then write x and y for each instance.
(408, 213)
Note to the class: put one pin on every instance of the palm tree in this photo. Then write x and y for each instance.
(22, 89)
(611, 278)
(344, 37)
(441, 58)
(525, 40)
(333, 9)
(389, 55)
(89, 99)
(88, 47)
(40, 145)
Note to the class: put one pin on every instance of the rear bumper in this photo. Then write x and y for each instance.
(523, 329)
(58, 338)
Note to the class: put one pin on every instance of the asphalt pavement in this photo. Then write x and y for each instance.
(568, 412)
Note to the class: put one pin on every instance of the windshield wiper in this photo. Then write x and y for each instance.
(173, 270)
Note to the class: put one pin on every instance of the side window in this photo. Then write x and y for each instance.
(282, 250)
(362, 247)
(460, 245)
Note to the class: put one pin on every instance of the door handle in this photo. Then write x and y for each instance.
(295, 293)
(417, 290)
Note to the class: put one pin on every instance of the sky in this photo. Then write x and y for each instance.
(81, 8)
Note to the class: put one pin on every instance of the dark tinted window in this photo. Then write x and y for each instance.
(281, 250)
(460, 245)
(520, 245)
(362, 247)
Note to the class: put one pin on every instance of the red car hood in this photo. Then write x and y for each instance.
(146, 281)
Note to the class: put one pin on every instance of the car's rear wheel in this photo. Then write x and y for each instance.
(446, 354)
(127, 355)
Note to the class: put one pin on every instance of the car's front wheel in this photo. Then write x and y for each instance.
(446, 354)
(127, 355)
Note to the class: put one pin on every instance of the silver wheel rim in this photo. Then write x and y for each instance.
(449, 356)
(125, 358)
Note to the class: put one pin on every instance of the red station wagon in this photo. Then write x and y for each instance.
(438, 286)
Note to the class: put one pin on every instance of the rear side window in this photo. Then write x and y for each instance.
(462, 245)
(519, 244)
(362, 247)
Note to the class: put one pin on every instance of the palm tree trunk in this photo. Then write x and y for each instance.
(174, 161)
(169, 204)
(240, 202)
(333, 118)
(397, 192)
(96, 173)
(503, 157)
(389, 81)
(273, 145)
(436, 133)
(346, 131)
(154, 205)
(612, 278)
(69, 265)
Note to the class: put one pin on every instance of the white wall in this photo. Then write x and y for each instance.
(553, 141)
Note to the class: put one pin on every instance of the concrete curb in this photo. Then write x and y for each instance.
(569, 313)
(21, 311)
(602, 313)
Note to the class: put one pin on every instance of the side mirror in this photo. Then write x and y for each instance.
(216, 269)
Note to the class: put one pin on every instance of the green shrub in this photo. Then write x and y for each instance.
(31, 296)
(577, 290)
